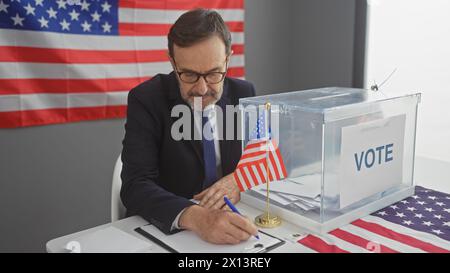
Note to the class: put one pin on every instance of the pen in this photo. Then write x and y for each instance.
(234, 209)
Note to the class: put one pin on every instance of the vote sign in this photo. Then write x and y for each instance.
(371, 158)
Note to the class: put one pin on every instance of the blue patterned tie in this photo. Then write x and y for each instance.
(209, 157)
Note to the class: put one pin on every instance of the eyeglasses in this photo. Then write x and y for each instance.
(193, 77)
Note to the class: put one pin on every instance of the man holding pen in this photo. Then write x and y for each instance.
(162, 173)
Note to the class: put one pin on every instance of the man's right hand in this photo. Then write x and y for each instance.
(217, 226)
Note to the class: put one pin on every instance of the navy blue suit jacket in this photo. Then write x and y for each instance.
(160, 174)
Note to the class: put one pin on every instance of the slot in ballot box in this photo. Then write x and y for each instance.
(347, 153)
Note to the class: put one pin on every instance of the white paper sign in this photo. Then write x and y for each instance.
(371, 158)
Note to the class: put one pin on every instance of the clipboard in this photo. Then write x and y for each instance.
(188, 242)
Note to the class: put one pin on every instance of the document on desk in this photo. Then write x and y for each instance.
(188, 242)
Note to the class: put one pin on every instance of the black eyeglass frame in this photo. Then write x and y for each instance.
(203, 75)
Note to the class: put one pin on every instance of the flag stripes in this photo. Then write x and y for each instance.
(258, 157)
(48, 63)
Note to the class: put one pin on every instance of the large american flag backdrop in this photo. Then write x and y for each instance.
(420, 223)
(73, 60)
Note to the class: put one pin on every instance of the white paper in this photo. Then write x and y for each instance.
(372, 178)
(188, 242)
(289, 197)
(303, 206)
(311, 189)
(274, 197)
(303, 191)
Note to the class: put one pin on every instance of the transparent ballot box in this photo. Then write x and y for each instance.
(346, 153)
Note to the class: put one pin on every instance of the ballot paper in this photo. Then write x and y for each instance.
(297, 199)
(108, 240)
(303, 206)
(286, 200)
(303, 192)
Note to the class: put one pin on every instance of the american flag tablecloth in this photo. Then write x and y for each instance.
(420, 223)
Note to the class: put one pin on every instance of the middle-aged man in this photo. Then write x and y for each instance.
(161, 174)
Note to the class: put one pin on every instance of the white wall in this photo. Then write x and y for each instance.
(413, 36)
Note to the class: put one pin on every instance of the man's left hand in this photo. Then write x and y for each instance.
(212, 197)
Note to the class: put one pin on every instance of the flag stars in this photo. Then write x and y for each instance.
(437, 216)
(393, 207)
(432, 197)
(106, 7)
(52, 13)
(95, 16)
(446, 224)
(418, 215)
(29, 9)
(86, 26)
(65, 25)
(437, 231)
(407, 222)
(3, 7)
(421, 203)
(404, 202)
(18, 20)
(447, 210)
(74, 15)
(415, 197)
(106, 27)
(411, 208)
(429, 209)
(43, 22)
(440, 204)
(400, 214)
(61, 4)
(85, 5)
(38, 3)
(382, 213)
(427, 223)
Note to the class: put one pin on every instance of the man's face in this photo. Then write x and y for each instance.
(203, 57)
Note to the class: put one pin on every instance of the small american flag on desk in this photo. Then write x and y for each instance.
(73, 60)
(260, 155)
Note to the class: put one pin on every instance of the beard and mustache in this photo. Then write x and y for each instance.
(210, 97)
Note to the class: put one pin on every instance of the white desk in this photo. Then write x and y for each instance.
(429, 173)
(129, 224)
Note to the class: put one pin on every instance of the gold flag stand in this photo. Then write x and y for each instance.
(267, 220)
